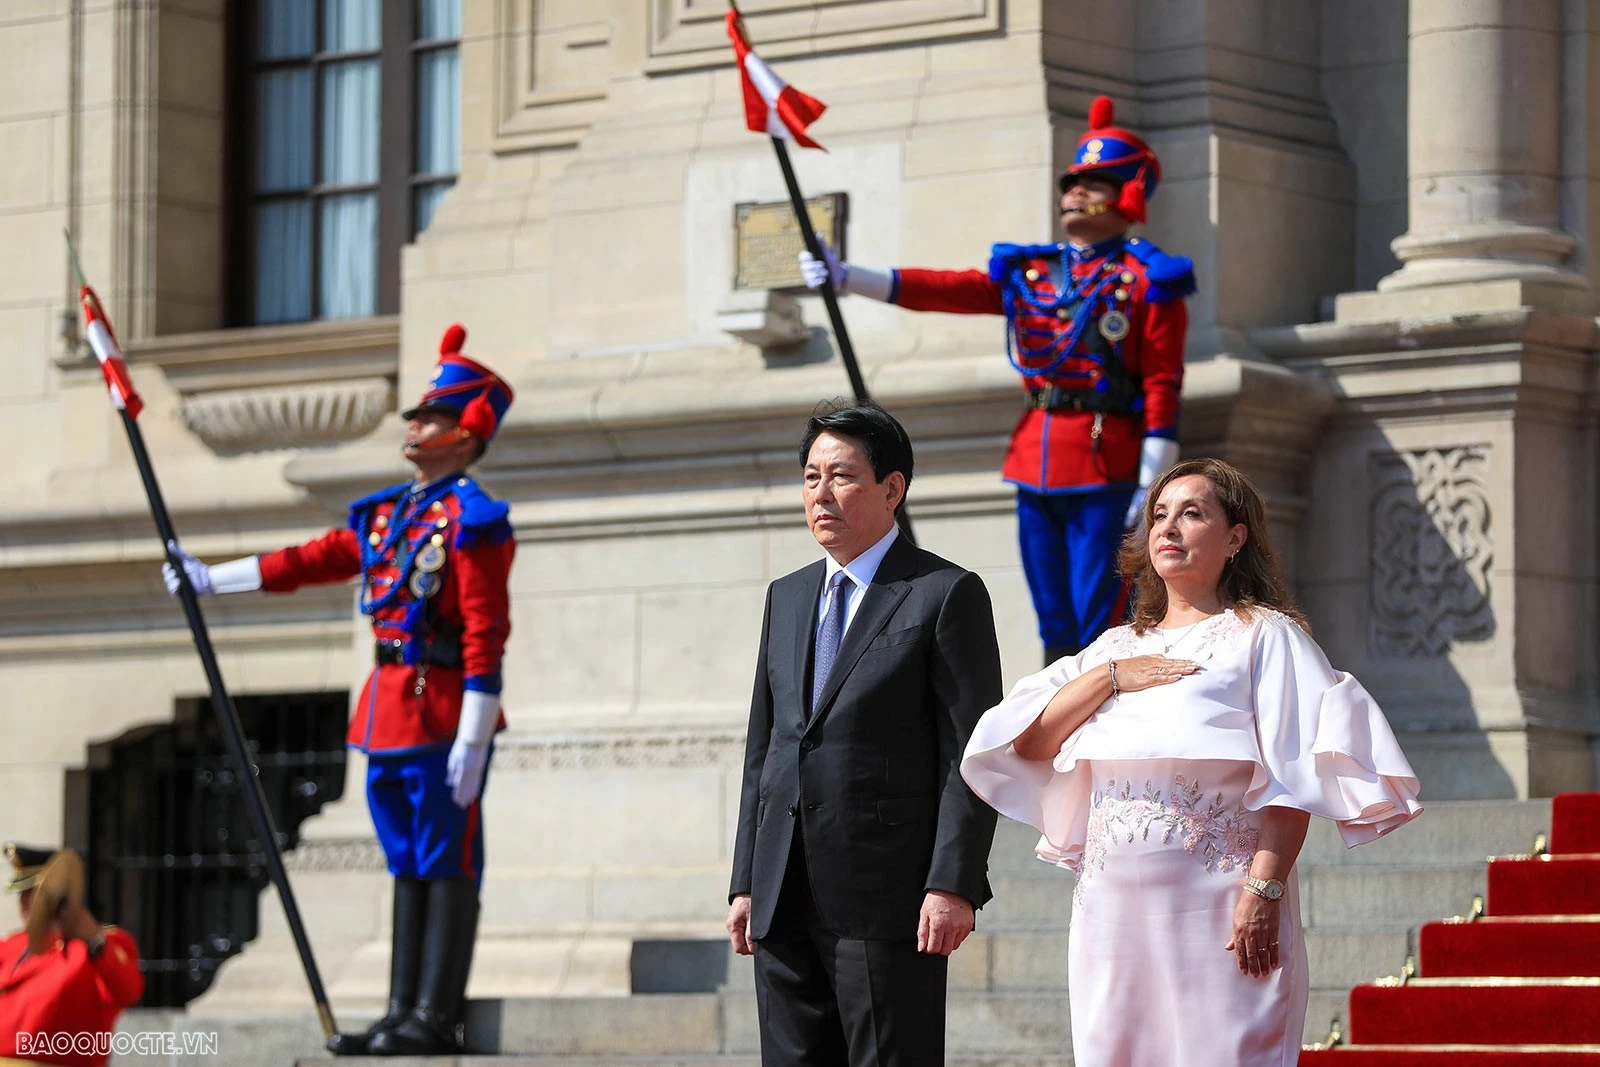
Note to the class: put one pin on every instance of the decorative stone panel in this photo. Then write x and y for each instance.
(1431, 548)
(553, 60)
(689, 33)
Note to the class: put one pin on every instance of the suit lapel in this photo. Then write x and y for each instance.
(889, 587)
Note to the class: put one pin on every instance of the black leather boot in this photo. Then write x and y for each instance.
(405, 967)
(434, 1026)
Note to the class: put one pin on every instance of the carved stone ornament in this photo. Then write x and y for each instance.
(261, 388)
(336, 854)
(589, 753)
(1431, 549)
(253, 420)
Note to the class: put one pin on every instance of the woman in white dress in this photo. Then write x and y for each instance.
(1174, 764)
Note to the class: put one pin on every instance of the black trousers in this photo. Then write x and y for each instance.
(831, 1001)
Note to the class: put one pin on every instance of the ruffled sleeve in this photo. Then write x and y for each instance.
(1326, 747)
(1053, 801)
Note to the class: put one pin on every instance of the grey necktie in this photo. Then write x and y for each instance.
(828, 635)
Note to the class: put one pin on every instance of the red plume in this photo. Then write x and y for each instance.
(1130, 201)
(477, 418)
(1101, 113)
(454, 337)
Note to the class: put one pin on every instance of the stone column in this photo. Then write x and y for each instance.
(1484, 145)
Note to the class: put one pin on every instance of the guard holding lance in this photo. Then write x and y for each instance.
(1096, 328)
(434, 557)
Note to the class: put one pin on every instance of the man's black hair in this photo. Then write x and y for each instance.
(885, 441)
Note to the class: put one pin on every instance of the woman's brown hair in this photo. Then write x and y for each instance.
(1250, 580)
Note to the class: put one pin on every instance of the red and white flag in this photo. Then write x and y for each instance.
(98, 330)
(771, 105)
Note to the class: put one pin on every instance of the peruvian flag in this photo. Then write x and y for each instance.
(771, 105)
(104, 343)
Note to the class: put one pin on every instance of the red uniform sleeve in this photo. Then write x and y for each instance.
(964, 292)
(1161, 366)
(118, 967)
(483, 574)
(333, 557)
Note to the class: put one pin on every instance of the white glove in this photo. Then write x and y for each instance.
(235, 576)
(846, 277)
(1156, 454)
(199, 574)
(469, 755)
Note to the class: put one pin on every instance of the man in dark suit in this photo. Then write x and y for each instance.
(861, 853)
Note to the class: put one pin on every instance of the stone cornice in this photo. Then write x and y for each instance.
(1507, 357)
(280, 387)
(327, 350)
(614, 454)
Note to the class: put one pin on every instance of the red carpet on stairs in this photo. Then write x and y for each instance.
(1449, 1056)
(1519, 986)
(1545, 885)
(1424, 1013)
(1523, 946)
(1575, 823)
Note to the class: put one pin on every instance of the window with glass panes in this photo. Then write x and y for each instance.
(349, 138)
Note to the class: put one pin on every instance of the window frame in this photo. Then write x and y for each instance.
(398, 183)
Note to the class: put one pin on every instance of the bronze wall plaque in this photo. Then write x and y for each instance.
(767, 240)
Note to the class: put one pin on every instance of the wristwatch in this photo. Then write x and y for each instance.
(1266, 888)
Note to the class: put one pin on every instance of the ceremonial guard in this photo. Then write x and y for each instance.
(1096, 327)
(434, 556)
(64, 975)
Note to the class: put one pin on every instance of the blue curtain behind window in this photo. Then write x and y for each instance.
(438, 112)
(438, 78)
(283, 115)
(347, 224)
(351, 25)
(347, 255)
(283, 261)
(438, 20)
(285, 28)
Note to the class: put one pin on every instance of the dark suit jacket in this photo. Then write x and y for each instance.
(872, 779)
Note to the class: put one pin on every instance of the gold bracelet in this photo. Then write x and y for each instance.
(1112, 666)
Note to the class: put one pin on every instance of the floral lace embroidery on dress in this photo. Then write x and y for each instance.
(1224, 627)
(1221, 836)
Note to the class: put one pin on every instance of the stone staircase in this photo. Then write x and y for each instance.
(1008, 997)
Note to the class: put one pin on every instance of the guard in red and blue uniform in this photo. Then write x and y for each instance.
(434, 559)
(1095, 326)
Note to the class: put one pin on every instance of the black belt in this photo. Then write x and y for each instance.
(1064, 398)
(392, 653)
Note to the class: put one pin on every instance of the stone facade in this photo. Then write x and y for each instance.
(1391, 210)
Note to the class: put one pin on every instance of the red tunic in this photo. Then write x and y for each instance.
(1055, 451)
(394, 714)
(63, 991)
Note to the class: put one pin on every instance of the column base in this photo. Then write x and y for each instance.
(1483, 252)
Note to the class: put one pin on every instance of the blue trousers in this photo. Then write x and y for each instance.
(422, 831)
(1069, 554)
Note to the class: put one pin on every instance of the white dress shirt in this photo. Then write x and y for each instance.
(860, 572)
